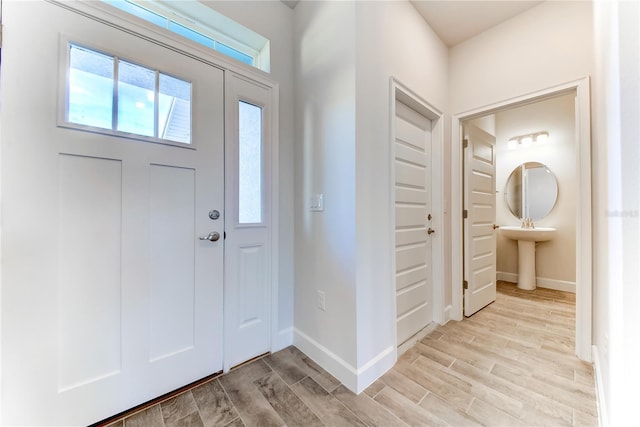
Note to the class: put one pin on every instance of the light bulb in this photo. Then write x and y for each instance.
(526, 141)
(512, 144)
(542, 138)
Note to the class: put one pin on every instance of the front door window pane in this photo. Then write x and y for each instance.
(90, 89)
(149, 103)
(136, 98)
(249, 163)
(174, 109)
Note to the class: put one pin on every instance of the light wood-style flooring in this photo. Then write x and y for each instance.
(511, 364)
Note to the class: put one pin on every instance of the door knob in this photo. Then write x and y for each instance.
(213, 236)
(430, 231)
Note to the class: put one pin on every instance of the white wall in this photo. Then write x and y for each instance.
(556, 259)
(325, 252)
(617, 294)
(392, 41)
(274, 20)
(545, 46)
(346, 53)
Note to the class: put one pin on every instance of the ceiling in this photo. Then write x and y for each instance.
(455, 21)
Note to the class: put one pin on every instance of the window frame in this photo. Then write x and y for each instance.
(228, 35)
(264, 155)
(263, 189)
(64, 60)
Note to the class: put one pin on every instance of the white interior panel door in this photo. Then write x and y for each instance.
(109, 297)
(479, 232)
(248, 221)
(414, 301)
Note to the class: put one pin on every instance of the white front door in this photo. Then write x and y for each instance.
(412, 164)
(248, 221)
(109, 297)
(479, 232)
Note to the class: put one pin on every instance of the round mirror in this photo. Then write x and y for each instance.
(531, 191)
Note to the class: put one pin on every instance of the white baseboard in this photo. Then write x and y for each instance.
(376, 367)
(447, 314)
(354, 379)
(603, 420)
(283, 339)
(541, 282)
(402, 348)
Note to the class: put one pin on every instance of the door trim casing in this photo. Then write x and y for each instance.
(399, 91)
(584, 276)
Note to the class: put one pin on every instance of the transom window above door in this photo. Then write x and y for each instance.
(108, 94)
(200, 23)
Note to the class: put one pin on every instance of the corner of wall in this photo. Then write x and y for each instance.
(603, 420)
(332, 363)
(283, 339)
(355, 379)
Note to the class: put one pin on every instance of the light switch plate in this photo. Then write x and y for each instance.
(316, 202)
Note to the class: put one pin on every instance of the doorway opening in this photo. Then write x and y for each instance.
(580, 163)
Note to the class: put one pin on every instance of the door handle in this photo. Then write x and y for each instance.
(213, 236)
(495, 226)
(430, 231)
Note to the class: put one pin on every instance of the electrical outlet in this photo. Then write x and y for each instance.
(321, 300)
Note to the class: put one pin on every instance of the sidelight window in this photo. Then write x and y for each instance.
(250, 199)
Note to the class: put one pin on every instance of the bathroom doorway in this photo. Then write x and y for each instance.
(562, 116)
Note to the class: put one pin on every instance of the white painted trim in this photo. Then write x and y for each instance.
(116, 18)
(601, 402)
(447, 314)
(282, 339)
(398, 89)
(332, 363)
(374, 368)
(277, 341)
(354, 379)
(541, 282)
(457, 224)
(583, 203)
(402, 348)
(584, 242)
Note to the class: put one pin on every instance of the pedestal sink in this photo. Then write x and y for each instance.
(527, 238)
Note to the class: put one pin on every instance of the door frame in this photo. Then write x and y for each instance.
(113, 17)
(584, 250)
(399, 91)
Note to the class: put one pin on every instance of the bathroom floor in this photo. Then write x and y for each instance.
(510, 364)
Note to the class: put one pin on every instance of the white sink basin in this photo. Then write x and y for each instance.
(538, 234)
(527, 238)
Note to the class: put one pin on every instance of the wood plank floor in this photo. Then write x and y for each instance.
(511, 364)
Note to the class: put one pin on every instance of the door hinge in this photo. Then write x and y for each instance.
(465, 214)
(465, 143)
(465, 284)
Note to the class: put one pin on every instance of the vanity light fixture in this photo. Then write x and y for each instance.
(527, 140)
